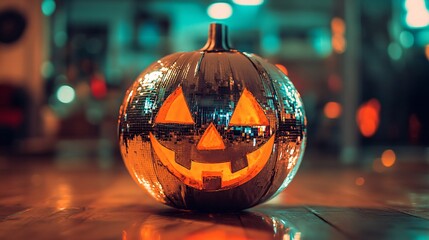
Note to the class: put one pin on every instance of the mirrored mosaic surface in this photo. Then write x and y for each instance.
(212, 130)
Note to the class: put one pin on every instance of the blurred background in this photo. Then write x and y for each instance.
(362, 68)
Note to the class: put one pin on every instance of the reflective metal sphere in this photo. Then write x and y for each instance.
(215, 129)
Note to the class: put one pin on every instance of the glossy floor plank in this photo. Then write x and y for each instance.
(376, 223)
(85, 197)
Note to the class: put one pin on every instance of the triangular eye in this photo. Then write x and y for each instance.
(248, 112)
(175, 109)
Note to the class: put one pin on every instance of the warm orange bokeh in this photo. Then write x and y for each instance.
(388, 158)
(368, 117)
(338, 28)
(332, 110)
(360, 181)
(338, 43)
(282, 68)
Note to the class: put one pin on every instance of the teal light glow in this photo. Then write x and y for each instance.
(321, 41)
(422, 38)
(60, 38)
(47, 69)
(65, 94)
(48, 7)
(271, 44)
(394, 50)
(406, 39)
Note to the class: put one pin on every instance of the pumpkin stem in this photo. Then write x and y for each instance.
(218, 39)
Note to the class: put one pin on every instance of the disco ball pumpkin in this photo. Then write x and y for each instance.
(214, 129)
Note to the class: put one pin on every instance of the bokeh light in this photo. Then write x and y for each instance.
(47, 69)
(407, 39)
(360, 181)
(368, 117)
(332, 110)
(48, 7)
(282, 68)
(388, 158)
(60, 38)
(65, 94)
(271, 44)
(219, 10)
(338, 28)
(427, 51)
(394, 50)
(248, 2)
(321, 40)
(417, 13)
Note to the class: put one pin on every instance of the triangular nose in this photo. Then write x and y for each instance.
(211, 140)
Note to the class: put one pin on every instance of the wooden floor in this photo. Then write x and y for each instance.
(86, 197)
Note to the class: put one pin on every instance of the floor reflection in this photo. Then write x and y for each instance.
(174, 224)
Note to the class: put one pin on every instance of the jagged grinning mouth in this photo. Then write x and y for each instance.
(214, 176)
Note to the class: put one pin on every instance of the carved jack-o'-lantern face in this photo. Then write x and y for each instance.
(214, 129)
(231, 168)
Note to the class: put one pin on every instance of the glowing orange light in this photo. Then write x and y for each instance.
(217, 233)
(338, 43)
(427, 51)
(388, 158)
(282, 68)
(149, 231)
(332, 110)
(64, 196)
(338, 25)
(338, 28)
(360, 181)
(367, 117)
